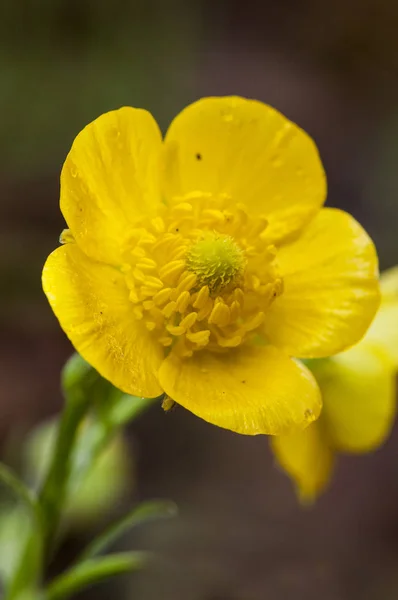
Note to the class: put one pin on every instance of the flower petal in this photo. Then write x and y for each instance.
(331, 291)
(110, 178)
(384, 328)
(358, 392)
(250, 390)
(91, 302)
(251, 152)
(307, 459)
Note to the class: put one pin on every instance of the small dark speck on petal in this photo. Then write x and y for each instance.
(243, 380)
(198, 156)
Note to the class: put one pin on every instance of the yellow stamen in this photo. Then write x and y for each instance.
(199, 276)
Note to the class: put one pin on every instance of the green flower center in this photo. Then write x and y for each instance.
(217, 261)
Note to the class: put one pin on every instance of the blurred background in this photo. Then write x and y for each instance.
(332, 67)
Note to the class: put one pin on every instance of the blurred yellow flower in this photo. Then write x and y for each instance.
(198, 266)
(359, 402)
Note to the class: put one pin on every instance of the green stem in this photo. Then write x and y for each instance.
(28, 569)
(11, 481)
(94, 571)
(53, 492)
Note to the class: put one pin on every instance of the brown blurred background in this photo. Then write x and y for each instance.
(333, 68)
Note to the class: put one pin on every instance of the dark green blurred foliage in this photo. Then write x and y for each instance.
(64, 62)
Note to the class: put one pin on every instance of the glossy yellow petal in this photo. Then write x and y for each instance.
(251, 152)
(384, 328)
(249, 390)
(91, 302)
(307, 459)
(110, 178)
(358, 391)
(331, 291)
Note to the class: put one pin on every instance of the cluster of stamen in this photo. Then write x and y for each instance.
(201, 275)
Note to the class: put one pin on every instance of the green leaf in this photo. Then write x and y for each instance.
(85, 391)
(77, 380)
(77, 373)
(93, 571)
(111, 410)
(12, 482)
(120, 408)
(147, 511)
(25, 538)
(23, 551)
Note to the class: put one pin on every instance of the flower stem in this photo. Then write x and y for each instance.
(53, 493)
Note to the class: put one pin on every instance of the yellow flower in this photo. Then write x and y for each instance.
(359, 402)
(198, 266)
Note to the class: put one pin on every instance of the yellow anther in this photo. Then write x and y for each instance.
(189, 320)
(266, 290)
(254, 322)
(158, 224)
(175, 329)
(235, 310)
(187, 282)
(133, 296)
(153, 282)
(239, 296)
(147, 239)
(169, 309)
(255, 282)
(229, 342)
(138, 252)
(162, 296)
(259, 227)
(166, 340)
(168, 403)
(214, 215)
(182, 209)
(178, 252)
(164, 243)
(202, 297)
(139, 275)
(171, 271)
(146, 264)
(147, 292)
(156, 314)
(201, 338)
(220, 315)
(150, 325)
(183, 301)
(66, 237)
(148, 304)
(205, 310)
(138, 312)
